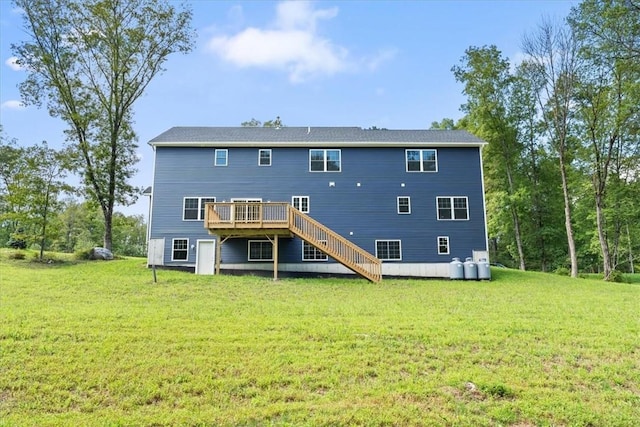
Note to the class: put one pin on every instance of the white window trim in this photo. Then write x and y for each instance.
(326, 257)
(325, 159)
(226, 157)
(200, 201)
(452, 208)
(301, 197)
(389, 240)
(249, 251)
(270, 156)
(398, 205)
(406, 160)
(173, 248)
(448, 245)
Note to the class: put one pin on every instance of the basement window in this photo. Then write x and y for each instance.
(388, 250)
(443, 245)
(260, 250)
(311, 253)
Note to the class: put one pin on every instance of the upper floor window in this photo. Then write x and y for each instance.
(324, 161)
(301, 203)
(388, 250)
(264, 157)
(179, 249)
(222, 157)
(443, 245)
(452, 208)
(311, 253)
(193, 208)
(260, 250)
(422, 161)
(404, 205)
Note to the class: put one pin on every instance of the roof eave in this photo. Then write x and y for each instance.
(301, 144)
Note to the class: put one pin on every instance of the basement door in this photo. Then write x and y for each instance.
(205, 256)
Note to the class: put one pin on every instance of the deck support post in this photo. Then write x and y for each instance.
(275, 257)
(218, 254)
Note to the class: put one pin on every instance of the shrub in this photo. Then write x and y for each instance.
(83, 254)
(616, 276)
(562, 271)
(17, 255)
(17, 243)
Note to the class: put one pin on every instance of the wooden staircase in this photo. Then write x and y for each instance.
(240, 219)
(337, 247)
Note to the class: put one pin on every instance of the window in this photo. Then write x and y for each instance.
(203, 201)
(301, 203)
(388, 250)
(264, 157)
(311, 253)
(324, 160)
(260, 250)
(180, 249)
(452, 208)
(193, 209)
(422, 161)
(222, 157)
(443, 245)
(404, 205)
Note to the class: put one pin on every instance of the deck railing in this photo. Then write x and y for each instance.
(246, 215)
(255, 215)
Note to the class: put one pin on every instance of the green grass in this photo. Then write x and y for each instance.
(98, 343)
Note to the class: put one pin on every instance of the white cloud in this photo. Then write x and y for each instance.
(292, 44)
(12, 62)
(12, 104)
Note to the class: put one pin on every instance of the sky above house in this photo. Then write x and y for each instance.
(326, 63)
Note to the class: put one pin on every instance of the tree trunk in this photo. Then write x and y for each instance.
(516, 222)
(108, 221)
(567, 218)
(630, 251)
(604, 244)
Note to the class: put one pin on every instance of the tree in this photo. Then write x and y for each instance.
(253, 123)
(444, 124)
(32, 178)
(46, 169)
(607, 99)
(11, 163)
(91, 60)
(553, 58)
(488, 85)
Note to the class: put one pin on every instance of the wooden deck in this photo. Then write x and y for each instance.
(247, 219)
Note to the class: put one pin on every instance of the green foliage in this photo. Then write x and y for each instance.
(83, 254)
(616, 277)
(101, 344)
(90, 61)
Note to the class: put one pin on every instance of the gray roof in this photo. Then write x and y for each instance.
(309, 136)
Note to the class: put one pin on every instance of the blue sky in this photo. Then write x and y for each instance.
(326, 63)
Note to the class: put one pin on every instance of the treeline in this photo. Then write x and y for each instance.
(562, 168)
(39, 209)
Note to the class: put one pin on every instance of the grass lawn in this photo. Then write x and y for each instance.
(98, 343)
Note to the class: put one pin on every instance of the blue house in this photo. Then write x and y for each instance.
(325, 200)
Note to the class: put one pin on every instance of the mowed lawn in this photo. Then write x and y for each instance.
(99, 344)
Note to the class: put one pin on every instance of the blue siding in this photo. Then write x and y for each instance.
(369, 211)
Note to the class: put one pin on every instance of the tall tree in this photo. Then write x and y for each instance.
(488, 85)
(91, 60)
(552, 53)
(607, 107)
